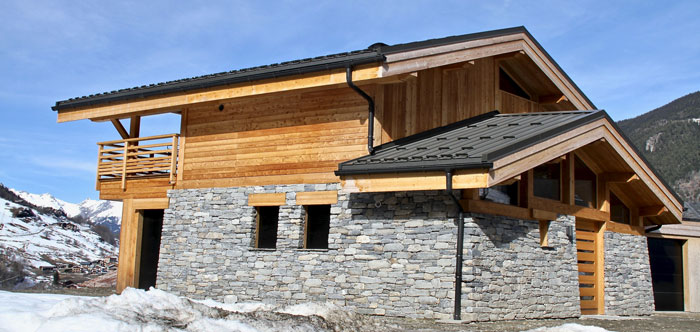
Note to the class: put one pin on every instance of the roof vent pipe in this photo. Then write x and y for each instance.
(370, 102)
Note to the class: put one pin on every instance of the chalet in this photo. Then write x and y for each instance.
(465, 177)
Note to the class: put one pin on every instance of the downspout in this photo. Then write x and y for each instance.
(460, 247)
(370, 102)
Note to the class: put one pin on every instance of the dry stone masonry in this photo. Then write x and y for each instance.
(628, 288)
(389, 254)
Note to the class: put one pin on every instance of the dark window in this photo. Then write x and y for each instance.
(267, 226)
(547, 181)
(619, 212)
(318, 221)
(504, 194)
(507, 84)
(584, 185)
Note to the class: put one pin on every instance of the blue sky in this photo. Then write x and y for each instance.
(629, 57)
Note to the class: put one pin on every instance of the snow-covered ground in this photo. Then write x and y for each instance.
(156, 310)
(39, 239)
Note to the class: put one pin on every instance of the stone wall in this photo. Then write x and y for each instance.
(389, 254)
(509, 276)
(628, 288)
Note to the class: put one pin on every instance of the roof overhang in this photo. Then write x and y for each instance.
(593, 136)
(376, 64)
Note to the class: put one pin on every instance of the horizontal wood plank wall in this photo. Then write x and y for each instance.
(155, 187)
(437, 97)
(295, 137)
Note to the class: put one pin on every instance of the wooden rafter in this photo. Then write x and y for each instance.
(120, 128)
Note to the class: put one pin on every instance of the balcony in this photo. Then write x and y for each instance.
(154, 156)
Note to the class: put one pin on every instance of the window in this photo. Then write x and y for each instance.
(508, 84)
(266, 235)
(547, 181)
(619, 212)
(503, 194)
(318, 221)
(584, 185)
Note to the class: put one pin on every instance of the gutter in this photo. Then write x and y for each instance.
(370, 106)
(460, 247)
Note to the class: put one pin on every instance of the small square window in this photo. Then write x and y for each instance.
(318, 220)
(266, 232)
(547, 181)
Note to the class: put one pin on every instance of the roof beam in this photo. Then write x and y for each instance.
(650, 211)
(120, 128)
(619, 177)
(552, 99)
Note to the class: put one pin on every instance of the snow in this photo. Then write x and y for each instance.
(47, 200)
(139, 310)
(40, 239)
(157, 310)
(570, 327)
(95, 209)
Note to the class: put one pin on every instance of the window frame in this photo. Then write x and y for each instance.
(258, 223)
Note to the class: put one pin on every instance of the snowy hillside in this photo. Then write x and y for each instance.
(106, 213)
(46, 239)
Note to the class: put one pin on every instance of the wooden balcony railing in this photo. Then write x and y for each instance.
(138, 157)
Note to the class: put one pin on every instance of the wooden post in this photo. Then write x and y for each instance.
(126, 156)
(100, 147)
(173, 159)
(568, 180)
(600, 268)
(544, 233)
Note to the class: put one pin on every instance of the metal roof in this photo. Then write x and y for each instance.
(472, 143)
(374, 53)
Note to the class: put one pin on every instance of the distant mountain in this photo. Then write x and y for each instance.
(32, 236)
(669, 138)
(98, 212)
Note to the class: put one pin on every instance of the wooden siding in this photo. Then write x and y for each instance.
(275, 139)
(437, 97)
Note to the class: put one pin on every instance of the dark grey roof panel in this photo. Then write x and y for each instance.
(375, 53)
(472, 143)
(283, 69)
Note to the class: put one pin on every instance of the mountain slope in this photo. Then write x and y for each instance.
(107, 213)
(40, 236)
(669, 138)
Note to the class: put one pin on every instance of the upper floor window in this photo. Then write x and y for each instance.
(584, 185)
(508, 84)
(619, 212)
(266, 226)
(318, 220)
(547, 181)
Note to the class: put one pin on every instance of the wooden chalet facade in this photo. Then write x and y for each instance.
(269, 144)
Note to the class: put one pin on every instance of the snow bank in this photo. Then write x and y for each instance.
(571, 327)
(156, 310)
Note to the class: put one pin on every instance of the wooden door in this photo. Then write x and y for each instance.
(589, 248)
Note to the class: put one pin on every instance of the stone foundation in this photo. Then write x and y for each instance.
(389, 254)
(628, 288)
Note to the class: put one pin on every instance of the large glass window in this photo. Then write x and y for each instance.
(547, 181)
(266, 229)
(584, 185)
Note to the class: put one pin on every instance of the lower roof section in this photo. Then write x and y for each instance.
(495, 148)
